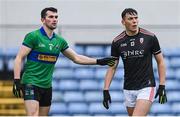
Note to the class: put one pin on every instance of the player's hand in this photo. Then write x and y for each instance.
(17, 88)
(110, 61)
(107, 99)
(161, 92)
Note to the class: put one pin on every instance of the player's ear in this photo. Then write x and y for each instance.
(122, 21)
(42, 20)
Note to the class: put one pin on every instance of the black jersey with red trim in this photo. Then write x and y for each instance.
(136, 53)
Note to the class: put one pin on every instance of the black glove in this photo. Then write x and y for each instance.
(162, 94)
(17, 88)
(107, 61)
(107, 99)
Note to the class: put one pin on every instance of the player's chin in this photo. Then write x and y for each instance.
(134, 29)
(53, 27)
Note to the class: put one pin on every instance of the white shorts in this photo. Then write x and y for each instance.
(131, 96)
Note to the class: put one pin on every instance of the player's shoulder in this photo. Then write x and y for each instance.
(33, 33)
(120, 36)
(146, 32)
(59, 37)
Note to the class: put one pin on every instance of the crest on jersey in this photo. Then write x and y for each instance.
(141, 40)
(51, 46)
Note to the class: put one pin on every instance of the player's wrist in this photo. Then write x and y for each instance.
(98, 61)
(17, 82)
(105, 92)
(16, 79)
(161, 86)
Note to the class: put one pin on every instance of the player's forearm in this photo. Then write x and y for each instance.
(84, 60)
(162, 73)
(109, 76)
(17, 67)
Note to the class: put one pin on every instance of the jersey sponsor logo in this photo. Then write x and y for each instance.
(48, 58)
(141, 40)
(132, 53)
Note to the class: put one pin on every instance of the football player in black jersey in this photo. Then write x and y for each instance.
(136, 47)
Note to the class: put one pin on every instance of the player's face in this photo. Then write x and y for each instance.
(130, 21)
(51, 20)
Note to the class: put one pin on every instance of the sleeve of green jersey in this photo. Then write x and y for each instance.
(28, 40)
(64, 45)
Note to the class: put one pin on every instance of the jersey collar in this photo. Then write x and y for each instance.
(135, 34)
(44, 33)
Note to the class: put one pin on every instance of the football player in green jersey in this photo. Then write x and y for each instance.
(42, 48)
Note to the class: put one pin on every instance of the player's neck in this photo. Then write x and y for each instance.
(48, 31)
(132, 33)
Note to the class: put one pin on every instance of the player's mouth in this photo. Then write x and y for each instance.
(54, 24)
(134, 26)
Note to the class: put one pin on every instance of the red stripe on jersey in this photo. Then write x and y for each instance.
(120, 36)
(146, 32)
(151, 94)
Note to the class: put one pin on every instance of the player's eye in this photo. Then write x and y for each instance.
(51, 16)
(130, 18)
(136, 17)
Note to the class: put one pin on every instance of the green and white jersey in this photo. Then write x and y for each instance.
(42, 58)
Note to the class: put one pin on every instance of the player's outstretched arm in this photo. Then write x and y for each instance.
(84, 60)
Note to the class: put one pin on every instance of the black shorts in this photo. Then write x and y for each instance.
(42, 95)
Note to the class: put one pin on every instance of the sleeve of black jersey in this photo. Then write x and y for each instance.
(155, 46)
(114, 50)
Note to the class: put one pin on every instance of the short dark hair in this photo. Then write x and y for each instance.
(130, 11)
(44, 11)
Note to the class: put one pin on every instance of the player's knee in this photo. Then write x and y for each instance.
(32, 113)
